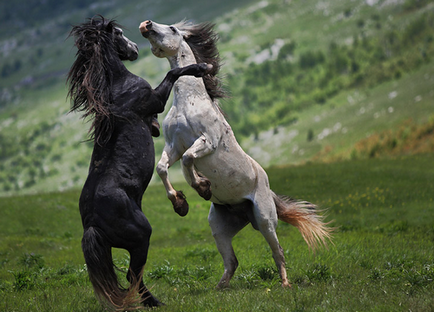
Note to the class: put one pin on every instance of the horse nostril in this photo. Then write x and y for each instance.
(145, 26)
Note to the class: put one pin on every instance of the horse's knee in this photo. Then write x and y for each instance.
(187, 160)
(161, 169)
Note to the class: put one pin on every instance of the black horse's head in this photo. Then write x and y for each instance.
(126, 49)
(104, 33)
(100, 43)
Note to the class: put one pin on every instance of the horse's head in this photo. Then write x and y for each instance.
(101, 44)
(165, 40)
(103, 33)
(126, 49)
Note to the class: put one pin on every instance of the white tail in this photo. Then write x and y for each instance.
(303, 215)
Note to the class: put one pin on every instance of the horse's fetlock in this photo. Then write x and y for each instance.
(171, 195)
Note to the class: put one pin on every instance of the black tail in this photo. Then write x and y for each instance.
(102, 274)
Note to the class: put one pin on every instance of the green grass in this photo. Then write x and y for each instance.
(382, 258)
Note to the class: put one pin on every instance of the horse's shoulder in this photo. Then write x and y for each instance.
(134, 81)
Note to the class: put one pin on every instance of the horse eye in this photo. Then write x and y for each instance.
(173, 29)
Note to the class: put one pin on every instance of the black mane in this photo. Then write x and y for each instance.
(90, 76)
(202, 40)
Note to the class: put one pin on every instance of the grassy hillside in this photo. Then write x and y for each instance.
(350, 47)
(331, 131)
(382, 257)
(42, 146)
(308, 80)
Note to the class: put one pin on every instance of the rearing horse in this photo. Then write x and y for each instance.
(122, 107)
(212, 161)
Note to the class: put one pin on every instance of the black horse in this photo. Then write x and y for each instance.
(122, 108)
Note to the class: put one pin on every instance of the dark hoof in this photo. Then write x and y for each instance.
(204, 189)
(152, 302)
(204, 69)
(207, 194)
(180, 205)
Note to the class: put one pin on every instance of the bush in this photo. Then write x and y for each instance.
(310, 59)
(310, 135)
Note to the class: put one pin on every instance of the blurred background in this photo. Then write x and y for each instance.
(308, 80)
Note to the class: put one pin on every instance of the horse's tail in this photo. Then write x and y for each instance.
(102, 274)
(303, 215)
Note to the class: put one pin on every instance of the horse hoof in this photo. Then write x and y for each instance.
(204, 189)
(182, 210)
(222, 286)
(207, 194)
(152, 302)
(180, 205)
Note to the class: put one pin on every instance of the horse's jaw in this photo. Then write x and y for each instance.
(183, 57)
(157, 52)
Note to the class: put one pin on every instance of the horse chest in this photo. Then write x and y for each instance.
(180, 130)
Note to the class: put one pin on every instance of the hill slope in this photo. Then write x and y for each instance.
(305, 77)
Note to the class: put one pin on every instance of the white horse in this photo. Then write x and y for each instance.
(196, 132)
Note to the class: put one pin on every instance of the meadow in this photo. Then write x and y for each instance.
(381, 259)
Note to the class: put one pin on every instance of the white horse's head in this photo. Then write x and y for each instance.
(185, 43)
(165, 39)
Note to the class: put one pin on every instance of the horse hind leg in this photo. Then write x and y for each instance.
(265, 219)
(224, 227)
(135, 277)
(136, 238)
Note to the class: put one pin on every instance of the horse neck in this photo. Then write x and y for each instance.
(183, 58)
(115, 66)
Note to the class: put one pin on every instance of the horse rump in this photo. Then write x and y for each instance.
(102, 274)
(304, 216)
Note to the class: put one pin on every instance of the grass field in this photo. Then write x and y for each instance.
(382, 258)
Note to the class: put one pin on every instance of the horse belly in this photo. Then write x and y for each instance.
(232, 176)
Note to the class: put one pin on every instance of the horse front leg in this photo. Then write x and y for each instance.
(177, 198)
(200, 148)
(162, 92)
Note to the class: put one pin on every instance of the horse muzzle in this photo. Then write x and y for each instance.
(133, 51)
(145, 28)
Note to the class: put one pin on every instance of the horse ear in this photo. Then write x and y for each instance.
(110, 27)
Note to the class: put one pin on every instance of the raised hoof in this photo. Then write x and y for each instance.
(204, 189)
(204, 69)
(286, 285)
(180, 204)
